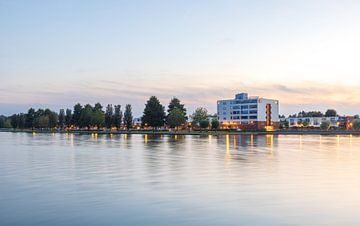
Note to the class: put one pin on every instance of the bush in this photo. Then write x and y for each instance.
(325, 125)
(356, 124)
(204, 124)
(215, 124)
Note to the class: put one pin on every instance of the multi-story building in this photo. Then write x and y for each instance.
(246, 112)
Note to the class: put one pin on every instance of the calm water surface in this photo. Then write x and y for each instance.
(65, 179)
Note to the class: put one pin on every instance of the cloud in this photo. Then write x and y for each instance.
(293, 97)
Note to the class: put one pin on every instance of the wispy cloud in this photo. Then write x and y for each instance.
(292, 97)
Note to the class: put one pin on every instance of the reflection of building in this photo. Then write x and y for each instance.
(248, 112)
(312, 121)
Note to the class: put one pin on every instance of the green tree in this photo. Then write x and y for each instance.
(29, 118)
(356, 124)
(310, 114)
(284, 124)
(176, 118)
(215, 124)
(325, 125)
(76, 118)
(61, 118)
(109, 114)
(117, 118)
(7, 123)
(98, 107)
(128, 118)
(85, 116)
(175, 103)
(22, 119)
(53, 118)
(68, 117)
(330, 113)
(43, 121)
(200, 114)
(14, 121)
(154, 113)
(97, 117)
(2, 121)
(204, 124)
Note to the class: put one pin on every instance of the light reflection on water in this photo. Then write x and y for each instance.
(62, 179)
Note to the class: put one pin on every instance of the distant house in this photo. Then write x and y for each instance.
(137, 122)
(314, 122)
(346, 122)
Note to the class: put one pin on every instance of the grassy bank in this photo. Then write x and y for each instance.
(205, 132)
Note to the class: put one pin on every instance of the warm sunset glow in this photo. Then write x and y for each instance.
(307, 59)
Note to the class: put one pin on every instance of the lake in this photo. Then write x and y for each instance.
(69, 179)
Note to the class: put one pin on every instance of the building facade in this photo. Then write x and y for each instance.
(246, 112)
(314, 122)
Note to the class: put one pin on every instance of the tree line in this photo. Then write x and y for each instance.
(328, 113)
(95, 117)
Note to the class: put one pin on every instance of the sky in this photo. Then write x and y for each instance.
(57, 53)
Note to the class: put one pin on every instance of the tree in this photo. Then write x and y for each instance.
(98, 107)
(85, 116)
(356, 124)
(325, 125)
(200, 114)
(215, 124)
(53, 118)
(309, 114)
(175, 103)
(76, 117)
(68, 117)
(14, 121)
(29, 118)
(2, 121)
(154, 113)
(128, 118)
(22, 119)
(330, 113)
(98, 117)
(43, 121)
(117, 118)
(204, 124)
(7, 123)
(109, 113)
(284, 124)
(176, 118)
(61, 118)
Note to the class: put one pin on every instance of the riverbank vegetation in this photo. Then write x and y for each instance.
(112, 117)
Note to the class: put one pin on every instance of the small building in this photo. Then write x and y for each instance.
(137, 123)
(312, 122)
(346, 122)
(244, 112)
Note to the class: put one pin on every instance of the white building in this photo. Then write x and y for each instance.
(248, 112)
(312, 121)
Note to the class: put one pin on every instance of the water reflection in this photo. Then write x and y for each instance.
(71, 179)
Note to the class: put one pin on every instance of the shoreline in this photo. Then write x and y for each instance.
(190, 133)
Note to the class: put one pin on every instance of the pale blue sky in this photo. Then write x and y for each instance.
(56, 53)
